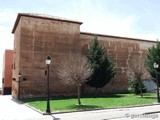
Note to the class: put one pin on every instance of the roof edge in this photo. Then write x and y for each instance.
(41, 16)
(104, 35)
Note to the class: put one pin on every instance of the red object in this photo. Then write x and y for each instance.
(7, 72)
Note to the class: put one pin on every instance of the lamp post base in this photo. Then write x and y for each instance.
(48, 111)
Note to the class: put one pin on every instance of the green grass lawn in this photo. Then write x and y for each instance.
(88, 103)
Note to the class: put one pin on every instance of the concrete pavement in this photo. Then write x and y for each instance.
(11, 110)
(115, 114)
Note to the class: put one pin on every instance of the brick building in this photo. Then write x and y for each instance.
(37, 36)
(7, 72)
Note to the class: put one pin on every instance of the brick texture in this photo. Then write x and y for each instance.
(7, 72)
(37, 37)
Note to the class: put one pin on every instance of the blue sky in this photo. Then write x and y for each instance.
(130, 18)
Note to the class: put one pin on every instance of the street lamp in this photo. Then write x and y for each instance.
(48, 62)
(19, 76)
(156, 67)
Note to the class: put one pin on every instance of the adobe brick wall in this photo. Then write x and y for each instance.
(7, 72)
(122, 52)
(36, 37)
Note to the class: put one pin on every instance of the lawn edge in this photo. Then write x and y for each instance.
(70, 111)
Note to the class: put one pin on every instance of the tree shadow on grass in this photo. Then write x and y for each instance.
(83, 107)
(149, 97)
(88, 96)
(33, 100)
(73, 97)
(105, 96)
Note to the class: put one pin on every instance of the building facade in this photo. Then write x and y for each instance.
(37, 36)
(7, 72)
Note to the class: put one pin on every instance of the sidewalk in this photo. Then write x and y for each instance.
(134, 113)
(11, 110)
(114, 114)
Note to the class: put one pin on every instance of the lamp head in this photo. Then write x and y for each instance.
(19, 75)
(48, 60)
(155, 65)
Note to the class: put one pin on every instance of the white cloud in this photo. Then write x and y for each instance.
(114, 25)
(7, 16)
(110, 25)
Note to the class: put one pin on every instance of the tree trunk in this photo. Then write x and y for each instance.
(79, 93)
(95, 93)
(141, 91)
(140, 87)
(82, 90)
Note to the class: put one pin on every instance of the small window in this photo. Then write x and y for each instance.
(13, 66)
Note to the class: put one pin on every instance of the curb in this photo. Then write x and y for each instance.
(33, 108)
(74, 111)
(147, 113)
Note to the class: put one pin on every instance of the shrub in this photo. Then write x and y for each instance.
(134, 87)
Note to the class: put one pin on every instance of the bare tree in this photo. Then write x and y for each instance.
(137, 71)
(74, 71)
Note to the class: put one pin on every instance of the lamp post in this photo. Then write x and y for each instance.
(19, 76)
(156, 67)
(48, 62)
